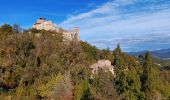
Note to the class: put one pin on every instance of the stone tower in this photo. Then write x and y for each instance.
(76, 33)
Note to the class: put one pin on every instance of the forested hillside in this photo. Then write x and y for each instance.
(38, 65)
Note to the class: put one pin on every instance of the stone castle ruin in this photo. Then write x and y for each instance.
(43, 24)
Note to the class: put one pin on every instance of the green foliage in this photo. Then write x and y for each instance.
(106, 54)
(80, 78)
(127, 78)
(5, 30)
(102, 87)
(152, 83)
(147, 73)
(80, 73)
(71, 54)
(26, 57)
(57, 87)
(37, 64)
(80, 90)
(91, 52)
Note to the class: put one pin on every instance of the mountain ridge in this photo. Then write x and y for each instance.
(162, 53)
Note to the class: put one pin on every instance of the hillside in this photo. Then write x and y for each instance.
(39, 65)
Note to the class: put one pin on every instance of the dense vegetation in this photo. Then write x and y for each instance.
(37, 65)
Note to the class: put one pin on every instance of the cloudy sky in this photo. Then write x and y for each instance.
(136, 24)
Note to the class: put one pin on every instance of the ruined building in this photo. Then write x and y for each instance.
(102, 65)
(43, 24)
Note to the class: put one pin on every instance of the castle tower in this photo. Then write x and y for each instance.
(76, 32)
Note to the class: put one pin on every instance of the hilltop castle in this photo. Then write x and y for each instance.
(43, 24)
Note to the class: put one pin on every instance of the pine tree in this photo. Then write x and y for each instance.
(118, 60)
(147, 72)
(119, 70)
(149, 77)
(126, 80)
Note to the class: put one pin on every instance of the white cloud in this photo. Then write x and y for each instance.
(109, 22)
(107, 8)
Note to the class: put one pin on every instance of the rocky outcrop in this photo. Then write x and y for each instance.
(103, 65)
(43, 24)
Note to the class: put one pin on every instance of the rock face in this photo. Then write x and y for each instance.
(103, 65)
(43, 24)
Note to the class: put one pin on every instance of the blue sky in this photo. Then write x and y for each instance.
(135, 24)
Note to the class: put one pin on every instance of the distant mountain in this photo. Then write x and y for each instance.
(163, 53)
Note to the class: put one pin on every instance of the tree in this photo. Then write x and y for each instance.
(149, 77)
(91, 52)
(5, 30)
(118, 60)
(102, 87)
(80, 75)
(127, 80)
(106, 54)
(59, 87)
(147, 72)
(16, 28)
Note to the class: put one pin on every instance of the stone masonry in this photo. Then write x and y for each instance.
(43, 24)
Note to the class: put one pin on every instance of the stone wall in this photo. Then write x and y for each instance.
(42, 24)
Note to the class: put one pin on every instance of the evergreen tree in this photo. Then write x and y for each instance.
(149, 78)
(119, 62)
(127, 80)
(147, 72)
(16, 28)
(119, 69)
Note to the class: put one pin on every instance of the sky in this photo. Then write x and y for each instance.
(136, 25)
